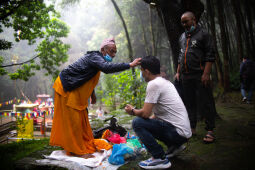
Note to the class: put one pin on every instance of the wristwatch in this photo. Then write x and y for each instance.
(132, 111)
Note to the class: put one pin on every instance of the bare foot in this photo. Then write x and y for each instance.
(86, 156)
(209, 137)
(100, 151)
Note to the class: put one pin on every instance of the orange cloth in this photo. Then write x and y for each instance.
(71, 129)
(106, 134)
(102, 144)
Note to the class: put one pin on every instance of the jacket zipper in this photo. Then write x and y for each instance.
(185, 60)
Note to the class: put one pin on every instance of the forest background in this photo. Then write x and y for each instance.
(39, 38)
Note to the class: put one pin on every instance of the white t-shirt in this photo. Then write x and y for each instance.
(168, 105)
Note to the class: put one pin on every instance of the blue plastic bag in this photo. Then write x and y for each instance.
(118, 153)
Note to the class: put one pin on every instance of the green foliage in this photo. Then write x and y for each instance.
(52, 50)
(33, 21)
(25, 73)
(4, 45)
(119, 89)
(97, 123)
(2, 71)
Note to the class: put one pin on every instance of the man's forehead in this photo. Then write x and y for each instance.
(185, 17)
(112, 46)
(188, 15)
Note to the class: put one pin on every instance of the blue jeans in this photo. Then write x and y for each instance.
(148, 130)
(244, 91)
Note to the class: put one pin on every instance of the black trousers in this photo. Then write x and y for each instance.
(195, 91)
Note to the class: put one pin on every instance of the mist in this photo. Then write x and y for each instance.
(90, 22)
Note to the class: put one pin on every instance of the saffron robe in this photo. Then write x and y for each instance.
(71, 128)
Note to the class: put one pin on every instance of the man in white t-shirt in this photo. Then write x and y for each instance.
(170, 123)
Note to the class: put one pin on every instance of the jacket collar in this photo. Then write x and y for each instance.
(96, 52)
(193, 32)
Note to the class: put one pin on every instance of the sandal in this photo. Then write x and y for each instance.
(209, 136)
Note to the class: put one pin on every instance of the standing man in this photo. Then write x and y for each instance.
(194, 66)
(75, 85)
(247, 78)
(170, 123)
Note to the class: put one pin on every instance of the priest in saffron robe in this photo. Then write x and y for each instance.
(74, 86)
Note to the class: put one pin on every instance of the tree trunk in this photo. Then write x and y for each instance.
(147, 51)
(224, 45)
(153, 46)
(239, 43)
(210, 8)
(170, 12)
(228, 44)
(174, 30)
(250, 25)
(244, 30)
(130, 51)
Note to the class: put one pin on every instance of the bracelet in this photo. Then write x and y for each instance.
(132, 111)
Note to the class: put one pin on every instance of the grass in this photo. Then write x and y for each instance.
(233, 149)
(10, 153)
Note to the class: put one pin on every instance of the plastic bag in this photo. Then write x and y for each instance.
(118, 153)
(130, 136)
(134, 144)
(116, 138)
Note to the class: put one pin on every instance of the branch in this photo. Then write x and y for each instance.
(12, 9)
(21, 63)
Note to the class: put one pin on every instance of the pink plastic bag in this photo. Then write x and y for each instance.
(116, 138)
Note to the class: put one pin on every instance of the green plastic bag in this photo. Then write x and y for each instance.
(134, 144)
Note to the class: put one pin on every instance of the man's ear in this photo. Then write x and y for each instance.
(194, 21)
(103, 51)
(147, 71)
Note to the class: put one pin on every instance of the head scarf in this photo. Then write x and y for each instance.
(107, 42)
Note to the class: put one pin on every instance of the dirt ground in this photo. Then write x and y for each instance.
(232, 150)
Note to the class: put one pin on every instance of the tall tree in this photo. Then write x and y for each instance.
(153, 46)
(130, 51)
(210, 8)
(239, 44)
(224, 44)
(248, 9)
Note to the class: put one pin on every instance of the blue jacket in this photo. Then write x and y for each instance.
(86, 67)
(247, 70)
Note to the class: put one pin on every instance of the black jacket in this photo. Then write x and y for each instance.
(86, 67)
(196, 48)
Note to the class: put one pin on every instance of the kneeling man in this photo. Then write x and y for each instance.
(163, 117)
